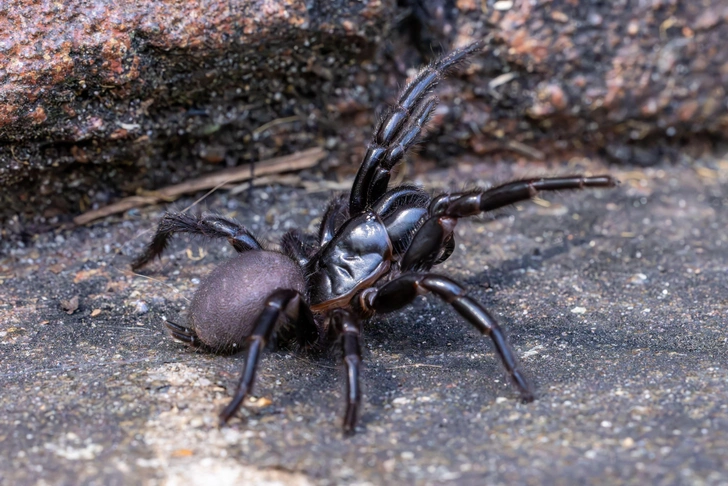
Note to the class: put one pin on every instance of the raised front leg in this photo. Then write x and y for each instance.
(427, 243)
(403, 290)
(400, 129)
(209, 225)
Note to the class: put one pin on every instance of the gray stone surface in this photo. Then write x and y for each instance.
(616, 301)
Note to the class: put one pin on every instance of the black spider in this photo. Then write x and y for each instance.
(373, 254)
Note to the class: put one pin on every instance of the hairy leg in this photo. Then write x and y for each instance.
(335, 215)
(186, 336)
(400, 129)
(299, 246)
(209, 225)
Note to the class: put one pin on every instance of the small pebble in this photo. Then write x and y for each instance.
(503, 5)
(140, 307)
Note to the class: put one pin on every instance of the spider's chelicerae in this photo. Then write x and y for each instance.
(373, 254)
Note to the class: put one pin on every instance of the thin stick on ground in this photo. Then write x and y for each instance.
(289, 163)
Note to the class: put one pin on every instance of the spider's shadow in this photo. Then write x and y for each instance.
(507, 272)
(432, 333)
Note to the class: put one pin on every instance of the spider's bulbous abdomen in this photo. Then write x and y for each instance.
(228, 302)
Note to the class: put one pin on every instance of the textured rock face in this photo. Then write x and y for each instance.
(606, 72)
(113, 98)
(116, 96)
(60, 62)
(628, 77)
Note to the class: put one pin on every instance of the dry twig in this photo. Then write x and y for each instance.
(298, 161)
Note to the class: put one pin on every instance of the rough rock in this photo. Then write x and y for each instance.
(116, 100)
(116, 96)
(633, 79)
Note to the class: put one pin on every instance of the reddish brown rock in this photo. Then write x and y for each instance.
(115, 98)
(612, 73)
(140, 90)
(627, 79)
(53, 55)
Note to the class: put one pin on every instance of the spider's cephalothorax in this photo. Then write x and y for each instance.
(373, 255)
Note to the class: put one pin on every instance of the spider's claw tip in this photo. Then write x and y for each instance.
(222, 421)
(225, 416)
(349, 428)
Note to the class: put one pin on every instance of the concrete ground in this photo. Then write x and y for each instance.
(615, 300)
